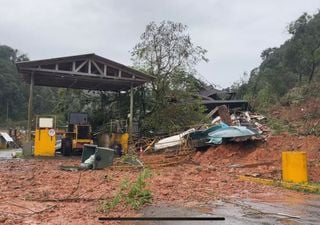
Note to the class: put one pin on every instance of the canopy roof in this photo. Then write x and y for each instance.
(89, 71)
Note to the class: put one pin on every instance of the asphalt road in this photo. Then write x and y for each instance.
(299, 209)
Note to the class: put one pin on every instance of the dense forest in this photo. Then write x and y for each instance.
(287, 73)
(294, 65)
(14, 93)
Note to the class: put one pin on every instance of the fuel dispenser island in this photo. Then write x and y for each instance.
(45, 136)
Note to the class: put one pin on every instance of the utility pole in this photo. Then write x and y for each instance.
(7, 112)
(131, 113)
(30, 106)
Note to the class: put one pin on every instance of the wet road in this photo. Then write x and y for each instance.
(296, 209)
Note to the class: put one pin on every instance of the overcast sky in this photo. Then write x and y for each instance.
(234, 32)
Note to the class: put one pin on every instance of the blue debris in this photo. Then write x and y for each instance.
(217, 133)
(231, 132)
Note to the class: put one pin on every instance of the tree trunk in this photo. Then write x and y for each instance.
(312, 72)
(300, 78)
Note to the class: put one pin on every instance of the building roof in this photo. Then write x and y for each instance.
(88, 71)
(211, 104)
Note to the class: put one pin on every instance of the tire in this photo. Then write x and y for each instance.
(66, 146)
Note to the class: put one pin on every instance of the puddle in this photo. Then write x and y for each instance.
(240, 212)
(173, 211)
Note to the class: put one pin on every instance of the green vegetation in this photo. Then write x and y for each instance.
(166, 52)
(168, 104)
(303, 187)
(278, 126)
(14, 93)
(133, 194)
(293, 65)
(310, 187)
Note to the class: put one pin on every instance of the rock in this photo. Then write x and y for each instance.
(254, 174)
(165, 192)
(169, 185)
(199, 169)
(235, 165)
(3, 219)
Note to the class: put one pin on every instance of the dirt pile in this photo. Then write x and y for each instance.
(36, 191)
(263, 158)
(300, 118)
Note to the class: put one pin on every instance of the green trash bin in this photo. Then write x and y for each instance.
(103, 158)
(88, 150)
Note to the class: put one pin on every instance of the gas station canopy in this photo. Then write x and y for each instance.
(89, 71)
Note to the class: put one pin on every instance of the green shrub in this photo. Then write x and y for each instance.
(133, 194)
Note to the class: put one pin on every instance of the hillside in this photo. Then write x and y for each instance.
(294, 64)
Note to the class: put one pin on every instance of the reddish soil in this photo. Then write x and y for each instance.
(299, 111)
(263, 159)
(36, 191)
(303, 117)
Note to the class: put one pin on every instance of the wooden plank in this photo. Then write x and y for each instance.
(30, 106)
(104, 69)
(73, 66)
(89, 66)
(81, 65)
(127, 70)
(83, 74)
(131, 113)
(98, 68)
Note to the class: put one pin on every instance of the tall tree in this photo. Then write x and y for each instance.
(166, 52)
(305, 45)
(12, 91)
(294, 63)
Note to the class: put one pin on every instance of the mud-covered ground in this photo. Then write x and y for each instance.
(37, 191)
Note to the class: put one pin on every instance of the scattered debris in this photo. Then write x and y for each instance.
(172, 141)
(224, 114)
(232, 133)
(88, 163)
(239, 126)
(96, 157)
(71, 168)
(5, 140)
(177, 178)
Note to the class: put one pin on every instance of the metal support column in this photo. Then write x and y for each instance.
(131, 113)
(30, 106)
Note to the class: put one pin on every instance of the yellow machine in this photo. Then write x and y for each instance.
(78, 134)
(119, 136)
(122, 139)
(45, 137)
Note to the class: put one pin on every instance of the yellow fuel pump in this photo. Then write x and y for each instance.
(45, 136)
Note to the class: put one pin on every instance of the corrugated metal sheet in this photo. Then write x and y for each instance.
(6, 137)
